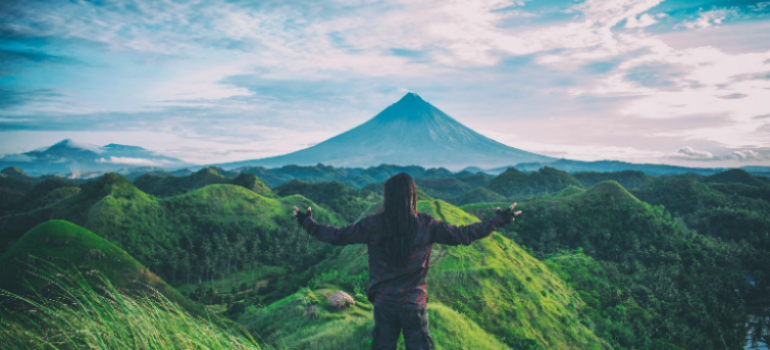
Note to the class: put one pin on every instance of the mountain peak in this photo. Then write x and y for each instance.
(410, 97)
(410, 108)
(69, 143)
(411, 101)
(408, 132)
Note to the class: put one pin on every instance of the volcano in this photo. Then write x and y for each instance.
(408, 132)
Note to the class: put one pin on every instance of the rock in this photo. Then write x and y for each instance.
(341, 300)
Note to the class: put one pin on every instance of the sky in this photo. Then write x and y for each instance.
(210, 81)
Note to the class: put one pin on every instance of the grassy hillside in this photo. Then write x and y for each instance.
(732, 211)
(445, 189)
(170, 185)
(489, 293)
(91, 315)
(69, 246)
(480, 195)
(14, 172)
(738, 176)
(571, 190)
(307, 320)
(203, 235)
(657, 274)
(349, 203)
(45, 193)
(629, 179)
(518, 185)
(476, 180)
(679, 262)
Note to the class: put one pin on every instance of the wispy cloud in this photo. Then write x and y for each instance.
(137, 161)
(744, 155)
(277, 76)
(710, 18)
(733, 96)
(10, 97)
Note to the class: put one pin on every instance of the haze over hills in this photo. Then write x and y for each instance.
(409, 132)
(69, 156)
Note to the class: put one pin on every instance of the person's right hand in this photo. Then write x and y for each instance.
(302, 216)
(508, 214)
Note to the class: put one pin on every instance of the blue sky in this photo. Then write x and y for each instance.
(679, 82)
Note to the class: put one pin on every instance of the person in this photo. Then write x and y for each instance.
(399, 241)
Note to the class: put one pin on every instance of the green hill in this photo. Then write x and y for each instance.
(732, 211)
(71, 246)
(627, 178)
(335, 195)
(444, 188)
(480, 195)
(204, 235)
(517, 184)
(165, 186)
(8, 200)
(642, 273)
(738, 176)
(14, 172)
(475, 180)
(18, 184)
(571, 190)
(45, 193)
(482, 296)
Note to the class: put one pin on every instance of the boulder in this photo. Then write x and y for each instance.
(341, 300)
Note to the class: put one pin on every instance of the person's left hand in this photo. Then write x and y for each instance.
(302, 216)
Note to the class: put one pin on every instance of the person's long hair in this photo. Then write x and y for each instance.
(399, 219)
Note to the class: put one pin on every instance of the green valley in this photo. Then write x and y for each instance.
(597, 261)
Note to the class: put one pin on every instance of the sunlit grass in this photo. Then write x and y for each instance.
(82, 316)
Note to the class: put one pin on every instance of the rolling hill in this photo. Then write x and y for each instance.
(72, 247)
(205, 234)
(489, 295)
(170, 185)
(642, 272)
(410, 131)
(513, 183)
(676, 263)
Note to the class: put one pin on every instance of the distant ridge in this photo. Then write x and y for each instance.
(408, 132)
(76, 158)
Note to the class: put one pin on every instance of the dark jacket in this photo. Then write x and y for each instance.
(402, 288)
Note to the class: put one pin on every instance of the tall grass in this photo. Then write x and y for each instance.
(85, 315)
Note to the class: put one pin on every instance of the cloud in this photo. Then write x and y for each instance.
(278, 75)
(14, 96)
(137, 161)
(14, 158)
(760, 6)
(644, 20)
(762, 116)
(752, 76)
(744, 155)
(733, 96)
(8, 56)
(710, 18)
(658, 75)
(690, 153)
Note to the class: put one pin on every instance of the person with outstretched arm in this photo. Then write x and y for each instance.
(399, 240)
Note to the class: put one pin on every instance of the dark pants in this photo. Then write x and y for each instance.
(388, 323)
